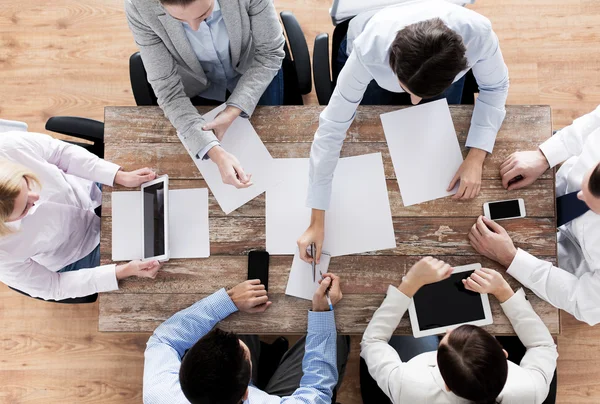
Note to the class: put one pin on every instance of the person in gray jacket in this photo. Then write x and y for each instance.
(204, 52)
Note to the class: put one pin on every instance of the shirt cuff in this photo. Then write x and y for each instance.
(106, 278)
(481, 138)
(203, 154)
(105, 172)
(396, 297)
(220, 303)
(319, 197)
(522, 266)
(321, 322)
(554, 150)
(514, 305)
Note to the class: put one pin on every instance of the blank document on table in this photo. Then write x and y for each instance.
(359, 218)
(424, 150)
(300, 283)
(242, 141)
(188, 224)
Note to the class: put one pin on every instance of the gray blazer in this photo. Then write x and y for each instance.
(256, 46)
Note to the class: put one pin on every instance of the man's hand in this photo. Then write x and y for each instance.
(521, 169)
(495, 243)
(469, 174)
(486, 280)
(140, 269)
(230, 168)
(250, 296)
(223, 121)
(133, 179)
(427, 270)
(329, 282)
(314, 234)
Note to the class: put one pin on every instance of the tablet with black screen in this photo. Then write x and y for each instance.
(444, 305)
(155, 219)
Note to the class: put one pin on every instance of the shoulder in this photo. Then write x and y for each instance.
(519, 386)
(143, 7)
(9, 141)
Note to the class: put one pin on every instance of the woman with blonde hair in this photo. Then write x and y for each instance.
(49, 231)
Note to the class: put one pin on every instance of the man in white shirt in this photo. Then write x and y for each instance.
(575, 285)
(469, 365)
(420, 48)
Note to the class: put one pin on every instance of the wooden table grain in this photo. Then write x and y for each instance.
(141, 136)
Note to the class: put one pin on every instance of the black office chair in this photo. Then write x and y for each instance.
(326, 74)
(296, 68)
(90, 130)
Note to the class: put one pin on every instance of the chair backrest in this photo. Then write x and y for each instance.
(142, 90)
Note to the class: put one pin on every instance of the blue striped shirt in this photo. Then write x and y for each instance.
(172, 338)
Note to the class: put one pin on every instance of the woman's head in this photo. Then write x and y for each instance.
(17, 195)
(473, 364)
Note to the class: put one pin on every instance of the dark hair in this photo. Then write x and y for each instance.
(215, 370)
(594, 184)
(177, 2)
(473, 364)
(427, 56)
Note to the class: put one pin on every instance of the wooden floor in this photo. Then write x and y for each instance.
(69, 57)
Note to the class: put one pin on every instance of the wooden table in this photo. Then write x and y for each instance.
(141, 136)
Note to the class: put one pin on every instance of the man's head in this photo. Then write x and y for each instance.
(590, 189)
(473, 364)
(216, 370)
(192, 12)
(426, 57)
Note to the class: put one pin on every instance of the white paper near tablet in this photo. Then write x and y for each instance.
(188, 224)
(359, 218)
(243, 142)
(424, 150)
(433, 314)
(300, 283)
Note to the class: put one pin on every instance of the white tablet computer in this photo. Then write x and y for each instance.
(155, 219)
(445, 305)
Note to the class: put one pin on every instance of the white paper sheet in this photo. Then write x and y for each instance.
(243, 142)
(424, 150)
(300, 283)
(188, 224)
(359, 218)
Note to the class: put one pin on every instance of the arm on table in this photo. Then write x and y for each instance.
(577, 296)
(568, 142)
(38, 281)
(320, 361)
(172, 338)
(540, 359)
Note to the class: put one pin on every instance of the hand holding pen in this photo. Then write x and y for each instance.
(328, 294)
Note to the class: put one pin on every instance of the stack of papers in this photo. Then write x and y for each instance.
(359, 219)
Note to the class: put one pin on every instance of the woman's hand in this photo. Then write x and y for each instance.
(133, 179)
(140, 269)
(469, 174)
(222, 121)
(486, 280)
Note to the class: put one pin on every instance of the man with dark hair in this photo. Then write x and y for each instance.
(188, 360)
(206, 52)
(419, 48)
(575, 286)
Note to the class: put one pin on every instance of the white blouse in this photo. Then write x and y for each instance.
(61, 227)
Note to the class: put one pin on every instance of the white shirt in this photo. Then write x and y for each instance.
(369, 61)
(62, 227)
(420, 381)
(575, 286)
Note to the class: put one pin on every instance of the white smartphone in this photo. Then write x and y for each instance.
(155, 219)
(500, 210)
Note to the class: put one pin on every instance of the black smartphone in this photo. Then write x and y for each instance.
(258, 266)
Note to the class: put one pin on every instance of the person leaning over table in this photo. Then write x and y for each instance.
(49, 232)
(421, 48)
(574, 286)
(187, 359)
(470, 364)
(206, 49)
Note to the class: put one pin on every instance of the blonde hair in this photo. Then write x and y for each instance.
(11, 175)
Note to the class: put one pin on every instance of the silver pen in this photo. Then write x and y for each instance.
(312, 254)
